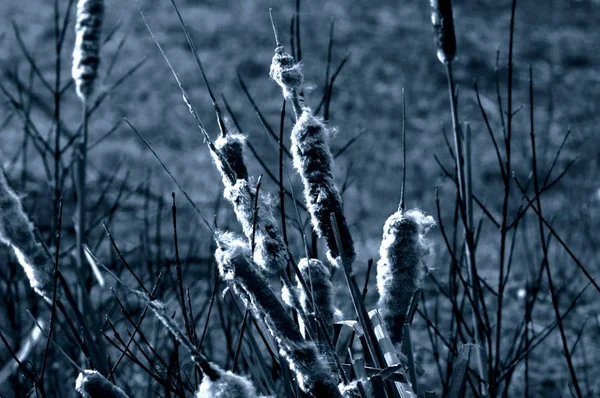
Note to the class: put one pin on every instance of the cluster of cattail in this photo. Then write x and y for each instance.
(17, 232)
(91, 384)
(242, 274)
(313, 161)
(86, 55)
(443, 30)
(401, 268)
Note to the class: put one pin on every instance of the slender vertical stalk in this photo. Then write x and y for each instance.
(478, 325)
(80, 181)
(54, 292)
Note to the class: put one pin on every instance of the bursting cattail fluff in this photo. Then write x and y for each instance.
(313, 160)
(231, 149)
(401, 268)
(241, 273)
(91, 384)
(270, 251)
(318, 278)
(86, 54)
(286, 72)
(443, 30)
(226, 385)
(16, 231)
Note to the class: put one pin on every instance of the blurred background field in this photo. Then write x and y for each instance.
(390, 47)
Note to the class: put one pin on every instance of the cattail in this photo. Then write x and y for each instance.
(313, 160)
(351, 390)
(16, 231)
(231, 148)
(401, 268)
(286, 73)
(318, 278)
(86, 55)
(242, 274)
(270, 250)
(226, 385)
(443, 30)
(91, 384)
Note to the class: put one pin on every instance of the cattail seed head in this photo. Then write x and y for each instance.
(17, 232)
(86, 54)
(443, 30)
(351, 390)
(227, 385)
(286, 72)
(242, 274)
(231, 149)
(401, 268)
(91, 384)
(318, 278)
(270, 251)
(313, 160)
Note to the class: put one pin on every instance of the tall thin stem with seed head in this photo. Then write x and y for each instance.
(86, 58)
(443, 27)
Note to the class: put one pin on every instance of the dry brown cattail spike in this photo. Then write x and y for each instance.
(86, 54)
(401, 268)
(91, 384)
(242, 274)
(17, 232)
(313, 160)
(443, 30)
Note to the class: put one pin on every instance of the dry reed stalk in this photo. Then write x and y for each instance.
(91, 384)
(313, 160)
(237, 268)
(17, 231)
(401, 268)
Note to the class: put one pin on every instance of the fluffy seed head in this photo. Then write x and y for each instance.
(318, 278)
(17, 232)
(242, 274)
(286, 72)
(350, 390)
(270, 251)
(91, 384)
(401, 268)
(313, 160)
(86, 55)
(227, 385)
(443, 30)
(231, 148)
